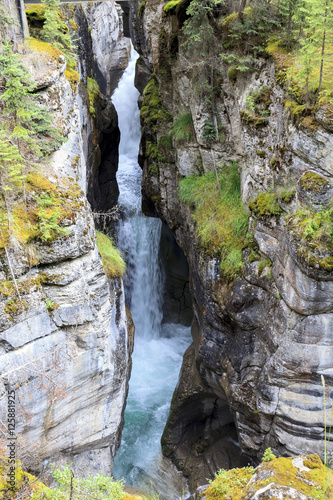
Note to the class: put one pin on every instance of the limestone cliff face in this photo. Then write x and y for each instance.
(262, 342)
(110, 47)
(64, 343)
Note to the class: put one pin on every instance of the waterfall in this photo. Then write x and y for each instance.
(158, 348)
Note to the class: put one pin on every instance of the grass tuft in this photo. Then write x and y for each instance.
(222, 220)
(113, 263)
(182, 129)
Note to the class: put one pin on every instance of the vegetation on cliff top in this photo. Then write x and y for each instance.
(27, 487)
(221, 218)
(314, 481)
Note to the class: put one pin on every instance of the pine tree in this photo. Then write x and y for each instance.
(27, 121)
(316, 34)
(55, 31)
(11, 168)
(200, 42)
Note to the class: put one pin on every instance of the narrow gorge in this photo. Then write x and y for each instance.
(199, 152)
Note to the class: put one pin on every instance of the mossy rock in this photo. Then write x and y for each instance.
(26, 485)
(44, 48)
(265, 205)
(314, 190)
(295, 477)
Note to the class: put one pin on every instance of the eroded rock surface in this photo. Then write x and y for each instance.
(262, 342)
(110, 47)
(64, 343)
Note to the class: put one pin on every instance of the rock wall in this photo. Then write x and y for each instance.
(66, 342)
(262, 342)
(14, 9)
(110, 47)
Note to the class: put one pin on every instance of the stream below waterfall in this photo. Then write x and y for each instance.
(158, 348)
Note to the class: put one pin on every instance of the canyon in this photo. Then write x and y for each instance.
(262, 342)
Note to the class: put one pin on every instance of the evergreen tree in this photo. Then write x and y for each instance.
(56, 32)
(316, 34)
(27, 121)
(201, 42)
(11, 168)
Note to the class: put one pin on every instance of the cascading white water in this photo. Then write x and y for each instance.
(158, 348)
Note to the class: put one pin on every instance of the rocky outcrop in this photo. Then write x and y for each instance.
(298, 478)
(110, 47)
(262, 342)
(64, 344)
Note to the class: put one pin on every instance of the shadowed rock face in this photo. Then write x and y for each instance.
(262, 342)
(177, 302)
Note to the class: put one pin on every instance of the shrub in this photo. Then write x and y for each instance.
(268, 455)
(222, 221)
(113, 263)
(229, 483)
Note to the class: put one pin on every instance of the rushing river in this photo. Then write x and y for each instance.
(158, 348)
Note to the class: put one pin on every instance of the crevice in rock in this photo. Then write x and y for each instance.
(177, 300)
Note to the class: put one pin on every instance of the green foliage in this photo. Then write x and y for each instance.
(265, 205)
(113, 263)
(28, 122)
(222, 221)
(152, 110)
(48, 219)
(313, 232)
(229, 483)
(209, 132)
(268, 455)
(56, 32)
(182, 129)
(197, 29)
(93, 93)
(257, 107)
(97, 487)
(50, 306)
(171, 6)
(11, 164)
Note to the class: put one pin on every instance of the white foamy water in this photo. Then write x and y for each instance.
(158, 348)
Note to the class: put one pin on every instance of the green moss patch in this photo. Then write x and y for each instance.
(229, 484)
(171, 6)
(313, 232)
(93, 93)
(44, 48)
(152, 111)
(265, 204)
(113, 263)
(235, 484)
(26, 485)
(313, 182)
(222, 221)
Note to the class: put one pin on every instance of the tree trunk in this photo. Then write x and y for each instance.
(241, 10)
(322, 53)
(290, 15)
(3, 192)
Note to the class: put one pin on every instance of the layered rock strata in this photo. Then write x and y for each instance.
(262, 342)
(64, 342)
